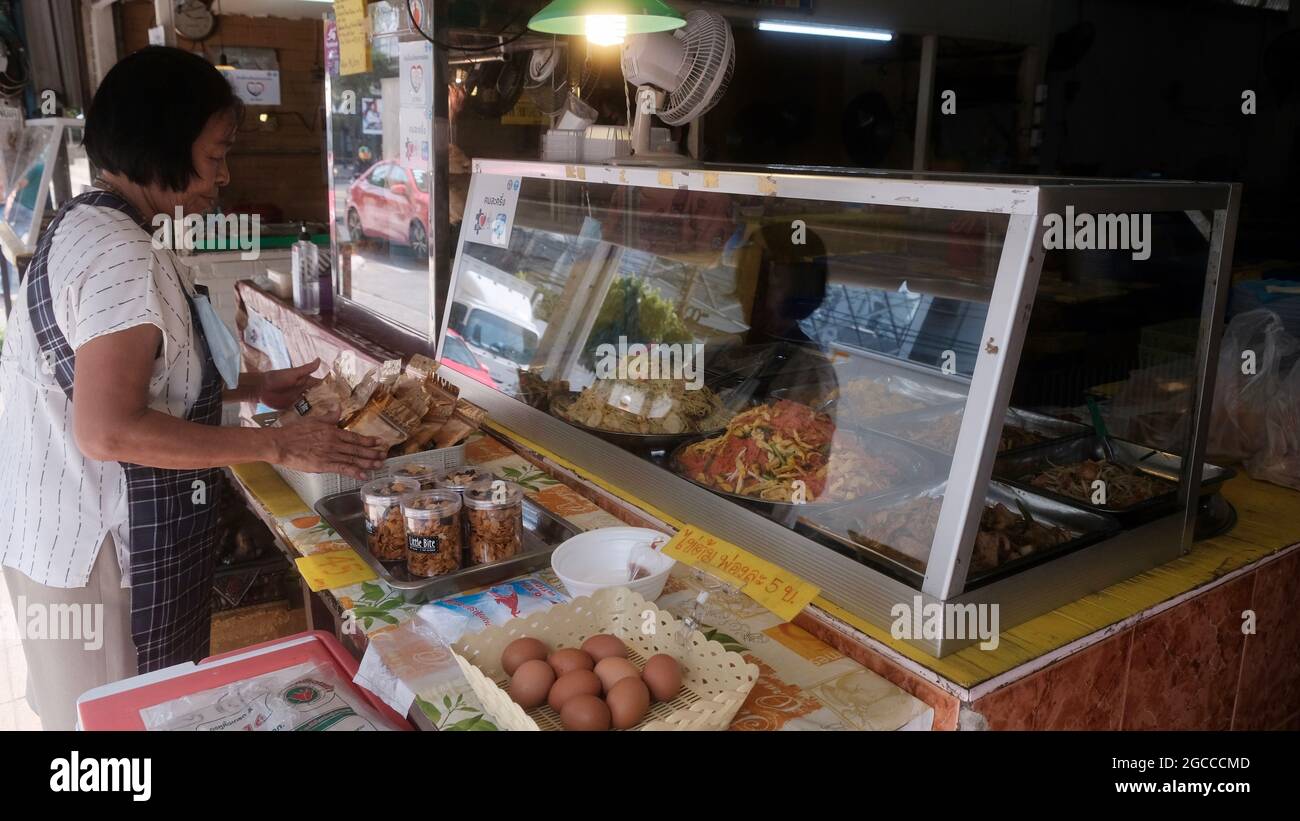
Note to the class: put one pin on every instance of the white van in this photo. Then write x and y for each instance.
(493, 313)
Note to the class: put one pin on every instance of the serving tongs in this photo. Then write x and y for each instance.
(1099, 427)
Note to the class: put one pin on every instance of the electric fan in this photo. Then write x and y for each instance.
(679, 76)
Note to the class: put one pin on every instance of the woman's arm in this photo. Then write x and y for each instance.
(112, 421)
(277, 389)
(250, 388)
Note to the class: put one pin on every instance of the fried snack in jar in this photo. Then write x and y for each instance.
(459, 478)
(433, 537)
(494, 520)
(385, 531)
(420, 472)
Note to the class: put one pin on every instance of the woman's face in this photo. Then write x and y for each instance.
(210, 172)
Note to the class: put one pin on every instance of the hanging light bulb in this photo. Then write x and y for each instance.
(606, 22)
(606, 29)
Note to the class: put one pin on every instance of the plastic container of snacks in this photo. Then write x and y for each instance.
(459, 478)
(494, 520)
(420, 472)
(385, 531)
(433, 532)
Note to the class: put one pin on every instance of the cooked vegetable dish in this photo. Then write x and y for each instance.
(767, 449)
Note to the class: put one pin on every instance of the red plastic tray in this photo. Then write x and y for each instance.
(117, 706)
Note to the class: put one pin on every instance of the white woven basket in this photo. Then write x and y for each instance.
(715, 681)
(314, 486)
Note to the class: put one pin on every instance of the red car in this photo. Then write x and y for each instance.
(391, 201)
(457, 356)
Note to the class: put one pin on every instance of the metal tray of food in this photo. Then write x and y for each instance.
(543, 532)
(1018, 469)
(1048, 428)
(918, 468)
(903, 426)
(835, 526)
(636, 442)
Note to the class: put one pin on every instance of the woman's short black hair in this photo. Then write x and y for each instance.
(148, 111)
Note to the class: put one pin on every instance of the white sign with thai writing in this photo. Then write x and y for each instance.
(492, 211)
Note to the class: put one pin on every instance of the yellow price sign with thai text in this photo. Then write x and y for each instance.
(338, 568)
(779, 590)
(353, 27)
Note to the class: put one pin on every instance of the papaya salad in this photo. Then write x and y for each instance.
(767, 449)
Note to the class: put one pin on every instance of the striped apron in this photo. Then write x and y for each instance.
(173, 513)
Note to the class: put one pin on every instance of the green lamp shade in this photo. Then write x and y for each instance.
(570, 16)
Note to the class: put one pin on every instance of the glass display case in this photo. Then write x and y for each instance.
(967, 390)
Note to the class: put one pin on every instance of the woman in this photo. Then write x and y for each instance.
(110, 430)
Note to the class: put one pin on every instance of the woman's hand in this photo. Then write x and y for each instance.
(316, 446)
(280, 389)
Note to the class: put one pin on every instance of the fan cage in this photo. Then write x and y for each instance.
(709, 50)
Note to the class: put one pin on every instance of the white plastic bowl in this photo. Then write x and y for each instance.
(598, 559)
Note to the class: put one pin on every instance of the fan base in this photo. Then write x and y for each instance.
(654, 158)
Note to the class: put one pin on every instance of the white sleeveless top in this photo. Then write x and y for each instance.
(56, 505)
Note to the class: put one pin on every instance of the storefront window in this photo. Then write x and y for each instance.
(380, 170)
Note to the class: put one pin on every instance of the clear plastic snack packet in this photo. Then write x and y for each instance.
(442, 404)
(468, 418)
(374, 385)
(372, 421)
(324, 400)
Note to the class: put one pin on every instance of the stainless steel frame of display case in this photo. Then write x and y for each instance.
(862, 591)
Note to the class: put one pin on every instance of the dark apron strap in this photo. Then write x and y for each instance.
(54, 346)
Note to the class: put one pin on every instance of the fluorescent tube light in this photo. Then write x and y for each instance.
(826, 31)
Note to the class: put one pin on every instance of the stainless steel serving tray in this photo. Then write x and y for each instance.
(636, 442)
(833, 525)
(543, 532)
(1052, 428)
(1049, 426)
(1016, 468)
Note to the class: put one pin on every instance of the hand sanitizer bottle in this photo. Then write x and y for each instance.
(306, 273)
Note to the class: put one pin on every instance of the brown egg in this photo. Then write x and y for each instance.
(628, 703)
(663, 675)
(531, 683)
(567, 660)
(585, 713)
(521, 650)
(612, 670)
(603, 646)
(577, 683)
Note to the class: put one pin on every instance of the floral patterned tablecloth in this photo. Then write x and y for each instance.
(804, 684)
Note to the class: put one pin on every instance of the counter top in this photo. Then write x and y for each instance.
(804, 683)
(1266, 525)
